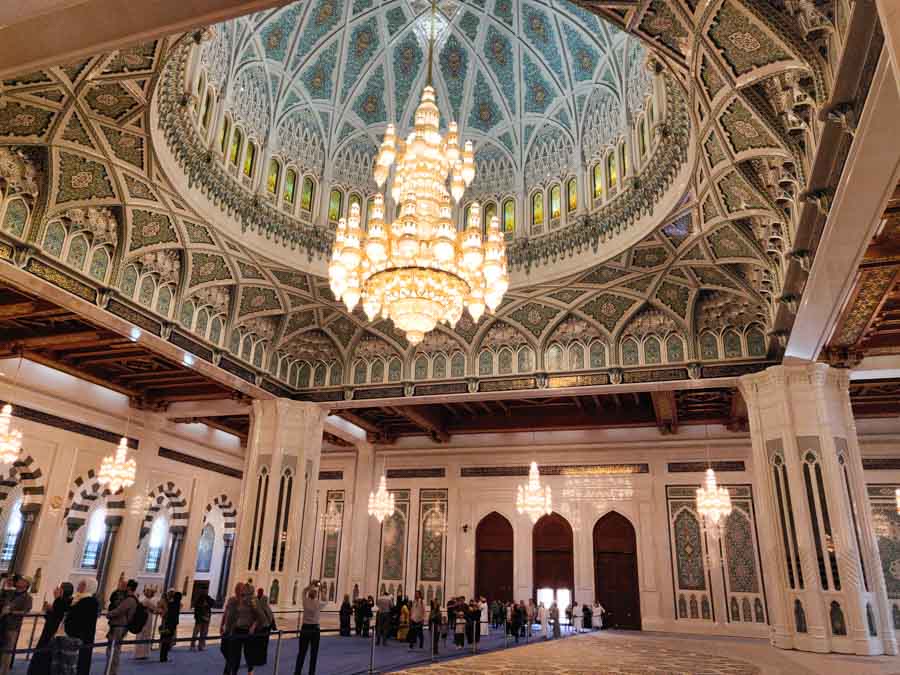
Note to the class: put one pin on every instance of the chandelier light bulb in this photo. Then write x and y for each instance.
(713, 502)
(10, 439)
(381, 503)
(117, 471)
(532, 499)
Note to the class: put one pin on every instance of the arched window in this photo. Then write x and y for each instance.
(93, 543)
(509, 216)
(290, 185)
(205, 548)
(335, 204)
(611, 173)
(164, 300)
(201, 82)
(207, 109)
(237, 140)
(274, 176)
(537, 208)
(11, 536)
(148, 290)
(78, 250)
(555, 202)
(99, 264)
(370, 204)
(156, 545)
(623, 159)
(250, 159)
(554, 358)
(650, 111)
(642, 137)
(215, 331)
(308, 194)
(490, 212)
(223, 135)
(355, 199)
(572, 195)
(54, 238)
(598, 181)
(467, 215)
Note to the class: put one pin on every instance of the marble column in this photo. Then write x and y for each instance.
(176, 538)
(103, 563)
(281, 469)
(30, 513)
(825, 587)
(225, 573)
(360, 525)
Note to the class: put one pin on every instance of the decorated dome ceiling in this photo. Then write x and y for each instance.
(313, 77)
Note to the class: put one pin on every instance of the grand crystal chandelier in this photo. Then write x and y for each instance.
(381, 503)
(532, 498)
(117, 471)
(419, 270)
(10, 439)
(713, 502)
(332, 519)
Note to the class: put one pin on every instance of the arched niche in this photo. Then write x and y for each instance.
(494, 558)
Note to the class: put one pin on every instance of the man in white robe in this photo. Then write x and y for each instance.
(485, 625)
(151, 602)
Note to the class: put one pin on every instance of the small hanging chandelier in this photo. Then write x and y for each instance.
(381, 503)
(533, 499)
(116, 471)
(332, 519)
(713, 502)
(10, 439)
(420, 270)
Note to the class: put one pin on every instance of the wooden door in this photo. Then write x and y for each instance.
(494, 558)
(554, 562)
(615, 572)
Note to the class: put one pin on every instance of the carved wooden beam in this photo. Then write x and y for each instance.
(426, 419)
(665, 410)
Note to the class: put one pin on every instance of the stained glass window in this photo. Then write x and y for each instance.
(309, 192)
(642, 137)
(335, 205)
(598, 181)
(207, 109)
(250, 159)
(355, 199)
(274, 175)
(509, 216)
(555, 205)
(223, 135)
(155, 547)
(490, 211)
(93, 542)
(290, 185)
(611, 173)
(572, 194)
(623, 159)
(78, 249)
(205, 548)
(537, 209)
(237, 140)
(11, 536)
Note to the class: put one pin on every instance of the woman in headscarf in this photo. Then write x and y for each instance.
(81, 621)
(259, 643)
(53, 617)
(346, 611)
(169, 626)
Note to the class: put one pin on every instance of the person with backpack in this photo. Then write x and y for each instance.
(168, 628)
(123, 618)
(202, 616)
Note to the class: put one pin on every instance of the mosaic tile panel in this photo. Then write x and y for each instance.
(81, 179)
(19, 120)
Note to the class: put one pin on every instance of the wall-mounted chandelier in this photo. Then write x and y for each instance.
(534, 499)
(713, 502)
(332, 519)
(10, 439)
(420, 270)
(381, 503)
(117, 471)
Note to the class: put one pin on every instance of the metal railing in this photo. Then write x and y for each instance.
(530, 632)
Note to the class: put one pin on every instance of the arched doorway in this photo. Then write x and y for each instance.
(494, 558)
(554, 561)
(615, 572)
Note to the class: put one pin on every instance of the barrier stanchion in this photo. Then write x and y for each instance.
(31, 639)
(372, 647)
(110, 652)
(277, 654)
(506, 634)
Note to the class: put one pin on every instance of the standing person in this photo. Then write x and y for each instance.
(151, 604)
(118, 595)
(485, 625)
(168, 628)
(241, 617)
(569, 614)
(403, 624)
(202, 616)
(119, 617)
(599, 611)
(81, 622)
(53, 617)
(459, 625)
(345, 612)
(310, 633)
(532, 614)
(544, 618)
(516, 622)
(586, 618)
(417, 621)
(434, 624)
(383, 619)
(14, 609)
(554, 619)
(575, 618)
(368, 605)
(259, 643)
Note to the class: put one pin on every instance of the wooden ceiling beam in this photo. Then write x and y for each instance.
(54, 342)
(125, 356)
(78, 373)
(665, 410)
(427, 419)
(17, 309)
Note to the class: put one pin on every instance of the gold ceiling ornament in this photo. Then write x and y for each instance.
(713, 501)
(532, 498)
(118, 471)
(420, 270)
(381, 503)
(10, 439)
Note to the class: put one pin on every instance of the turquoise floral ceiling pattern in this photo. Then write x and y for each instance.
(503, 68)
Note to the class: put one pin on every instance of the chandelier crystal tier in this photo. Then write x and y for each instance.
(117, 471)
(532, 498)
(713, 502)
(332, 519)
(420, 270)
(10, 439)
(381, 503)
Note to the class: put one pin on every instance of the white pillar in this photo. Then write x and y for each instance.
(361, 525)
(889, 14)
(282, 464)
(809, 479)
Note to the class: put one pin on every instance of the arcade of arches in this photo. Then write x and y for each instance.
(701, 212)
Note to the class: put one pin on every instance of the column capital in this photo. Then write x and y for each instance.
(786, 375)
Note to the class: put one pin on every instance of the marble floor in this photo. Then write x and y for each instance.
(621, 653)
